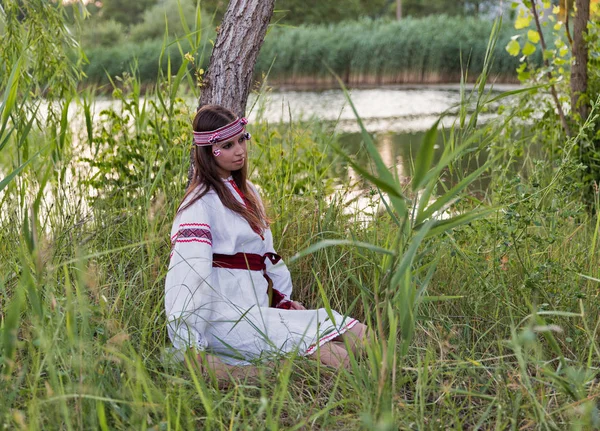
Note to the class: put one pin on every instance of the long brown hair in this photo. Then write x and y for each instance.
(206, 176)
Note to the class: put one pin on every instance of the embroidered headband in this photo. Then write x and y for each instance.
(221, 134)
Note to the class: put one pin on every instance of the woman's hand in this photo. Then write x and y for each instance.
(295, 305)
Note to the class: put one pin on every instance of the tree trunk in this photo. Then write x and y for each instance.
(398, 10)
(240, 36)
(229, 75)
(579, 76)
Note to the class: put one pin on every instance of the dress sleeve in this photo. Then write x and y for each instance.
(188, 283)
(281, 277)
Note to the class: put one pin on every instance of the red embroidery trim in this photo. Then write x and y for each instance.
(195, 240)
(193, 235)
(188, 224)
(326, 338)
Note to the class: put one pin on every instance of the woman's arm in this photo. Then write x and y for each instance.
(188, 290)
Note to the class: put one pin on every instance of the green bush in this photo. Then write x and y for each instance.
(102, 33)
(156, 18)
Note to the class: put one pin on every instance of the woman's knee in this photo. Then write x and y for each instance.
(356, 336)
(333, 354)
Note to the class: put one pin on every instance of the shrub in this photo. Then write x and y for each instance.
(102, 33)
(156, 18)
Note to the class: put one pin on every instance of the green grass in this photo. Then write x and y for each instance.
(83, 332)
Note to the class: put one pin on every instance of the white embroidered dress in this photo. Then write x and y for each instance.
(226, 311)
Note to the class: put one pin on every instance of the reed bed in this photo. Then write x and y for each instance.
(414, 50)
(429, 50)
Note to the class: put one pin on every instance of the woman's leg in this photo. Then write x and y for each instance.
(333, 354)
(223, 371)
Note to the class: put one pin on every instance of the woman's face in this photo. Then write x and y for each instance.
(231, 155)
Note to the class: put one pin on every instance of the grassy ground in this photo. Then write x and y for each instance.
(503, 336)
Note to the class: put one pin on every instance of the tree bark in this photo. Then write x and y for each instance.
(579, 76)
(228, 78)
(241, 34)
(398, 10)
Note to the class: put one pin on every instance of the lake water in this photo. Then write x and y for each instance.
(397, 118)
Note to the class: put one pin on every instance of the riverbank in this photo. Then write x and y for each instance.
(366, 82)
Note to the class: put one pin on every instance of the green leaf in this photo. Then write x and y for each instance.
(445, 225)
(447, 197)
(513, 48)
(589, 277)
(533, 36)
(335, 242)
(403, 268)
(384, 174)
(12, 313)
(425, 156)
(10, 92)
(390, 188)
(528, 49)
(16, 172)
(523, 20)
(440, 298)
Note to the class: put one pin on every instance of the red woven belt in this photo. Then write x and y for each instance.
(250, 261)
(253, 262)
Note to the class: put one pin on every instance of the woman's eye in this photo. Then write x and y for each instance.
(227, 146)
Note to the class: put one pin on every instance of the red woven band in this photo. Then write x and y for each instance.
(221, 134)
(253, 262)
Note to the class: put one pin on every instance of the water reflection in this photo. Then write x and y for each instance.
(398, 151)
(394, 109)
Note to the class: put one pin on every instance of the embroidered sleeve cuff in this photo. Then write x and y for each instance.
(285, 305)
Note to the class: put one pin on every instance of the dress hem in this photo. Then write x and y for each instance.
(325, 339)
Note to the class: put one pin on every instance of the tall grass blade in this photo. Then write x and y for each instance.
(6, 180)
(337, 242)
(424, 156)
(446, 198)
(10, 93)
(384, 174)
(10, 328)
(446, 225)
(391, 189)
